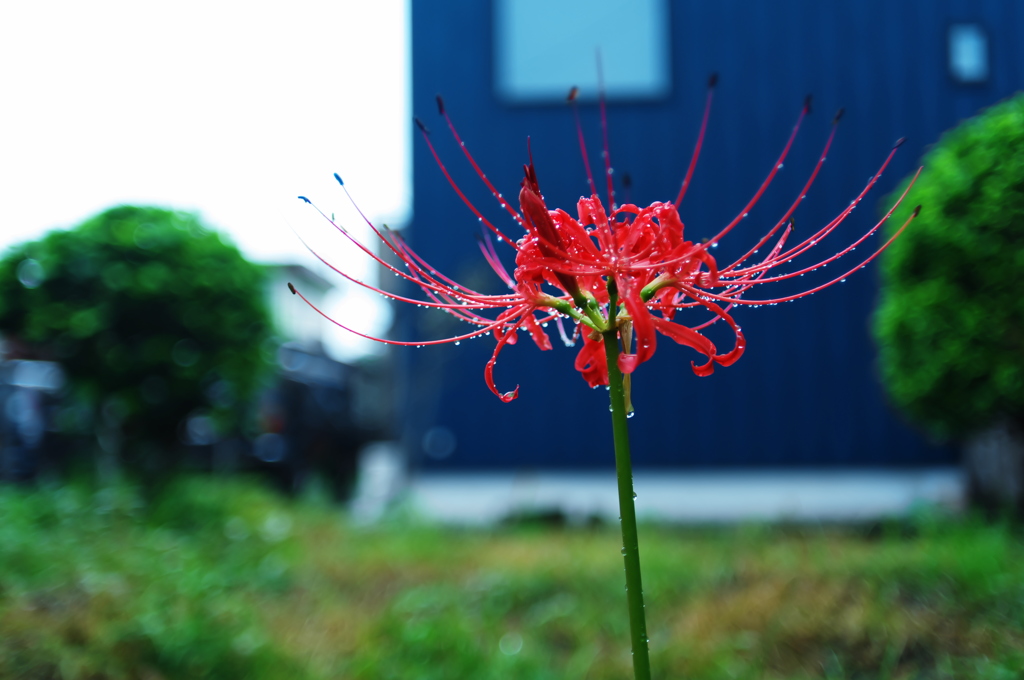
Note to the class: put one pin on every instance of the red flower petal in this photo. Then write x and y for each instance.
(691, 338)
(591, 362)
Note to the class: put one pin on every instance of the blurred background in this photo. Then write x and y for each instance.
(219, 119)
(162, 388)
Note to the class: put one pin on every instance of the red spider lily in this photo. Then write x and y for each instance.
(572, 269)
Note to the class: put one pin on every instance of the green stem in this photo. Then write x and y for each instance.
(627, 511)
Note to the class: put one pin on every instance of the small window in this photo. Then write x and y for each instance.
(968, 54)
(543, 48)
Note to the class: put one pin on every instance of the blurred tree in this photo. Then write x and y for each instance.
(160, 324)
(950, 324)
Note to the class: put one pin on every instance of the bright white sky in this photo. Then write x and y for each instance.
(226, 108)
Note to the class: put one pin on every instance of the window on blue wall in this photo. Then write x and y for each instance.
(968, 54)
(544, 47)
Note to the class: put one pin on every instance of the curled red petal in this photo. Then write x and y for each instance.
(685, 335)
(536, 332)
(703, 370)
(643, 329)
(731, 357)
(592, 363)
(508, 337)
(505, 338)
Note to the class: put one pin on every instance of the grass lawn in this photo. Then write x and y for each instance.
(223, 580)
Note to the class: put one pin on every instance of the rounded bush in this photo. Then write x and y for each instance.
(160, 325)
(950, 324)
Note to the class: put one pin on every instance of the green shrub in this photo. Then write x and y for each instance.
(154, 318)
(950, 324)
(95, 584)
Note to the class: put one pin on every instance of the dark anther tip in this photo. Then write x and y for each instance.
(917, 211)
(627, 180)
(899, 142)
(338, 177)
(292, 288)
(421, 126)
(807, 104)
(573, 93)
(713, 80)
(440, 105)
(303, 198)
(839, 115)
(792, 224)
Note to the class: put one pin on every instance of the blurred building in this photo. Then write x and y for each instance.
(296, 322)
(805, 394)
(319, 412)
(312, 418)
(29, 395)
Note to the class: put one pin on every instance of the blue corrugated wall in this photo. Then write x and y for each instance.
(806, 392)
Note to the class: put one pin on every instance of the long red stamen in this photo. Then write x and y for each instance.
(738, 287)
(800, 197)
(419, 268)
(471, 302)
(848, 248)
(491, 256)
(497, 232)
(414, 260)
(698, 294)
(815, 238)
(768, 180)
(579, 135)
(712, 81)
(480, 173)
(502, 320)
(605, 149)
(419, 276)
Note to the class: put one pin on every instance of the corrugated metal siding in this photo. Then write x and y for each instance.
(806, 391)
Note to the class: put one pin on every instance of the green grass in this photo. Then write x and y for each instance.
(225, 580)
